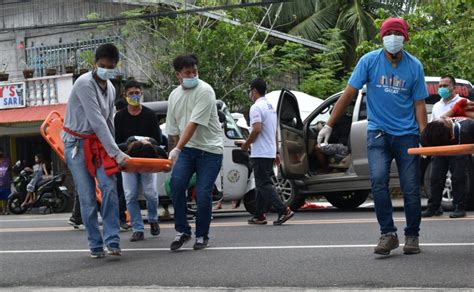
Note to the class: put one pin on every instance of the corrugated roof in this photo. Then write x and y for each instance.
(29, 114)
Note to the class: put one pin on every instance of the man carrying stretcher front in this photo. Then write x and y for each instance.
(91, 152)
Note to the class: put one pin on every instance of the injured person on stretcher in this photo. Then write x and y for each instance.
(454, 127)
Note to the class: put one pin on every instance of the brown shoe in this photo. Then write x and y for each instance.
(284, 217)
(257, 221)
(412, 245)
(387, 243)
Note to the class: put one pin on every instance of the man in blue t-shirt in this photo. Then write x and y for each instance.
(396, 91)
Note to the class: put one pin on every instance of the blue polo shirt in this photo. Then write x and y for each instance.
(391, 92)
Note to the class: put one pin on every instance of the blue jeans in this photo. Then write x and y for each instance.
(131, 188)
(382, 149)
(206, 165)
(85, 187)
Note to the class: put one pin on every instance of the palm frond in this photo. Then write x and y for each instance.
(312, 27)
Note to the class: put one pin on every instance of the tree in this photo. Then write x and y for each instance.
(229, 55)
(354, 19)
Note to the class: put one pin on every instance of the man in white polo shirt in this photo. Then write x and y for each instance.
(441, 164)
(263, 151)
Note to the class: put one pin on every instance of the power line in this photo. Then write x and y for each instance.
(148, 16)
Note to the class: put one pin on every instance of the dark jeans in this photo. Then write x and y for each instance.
(206, 165)
(265, 191)
(122, 202)
(439, 167)
(382, 148)
(76, 209)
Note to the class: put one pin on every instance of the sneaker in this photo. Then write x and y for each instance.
(458, 213)
(114, 249)
(387, 243)
(165, 215)
(97, 253)
(412, 245)
(430, 213)
(284, 217)
(179, 240)
(76, 223)
(124, 226)
(154, 228)
(137, 236)
(200, 243)
(259, 221)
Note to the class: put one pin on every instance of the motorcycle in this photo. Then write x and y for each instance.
(50, 192)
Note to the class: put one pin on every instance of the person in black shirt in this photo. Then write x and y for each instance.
(138, 120)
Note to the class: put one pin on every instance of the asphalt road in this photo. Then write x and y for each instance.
(316, 249)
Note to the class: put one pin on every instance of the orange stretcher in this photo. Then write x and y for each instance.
(449, 150)
(51, 130)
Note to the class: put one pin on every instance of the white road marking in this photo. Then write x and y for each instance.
(457, 244)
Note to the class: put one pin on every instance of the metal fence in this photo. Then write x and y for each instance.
(63, 57)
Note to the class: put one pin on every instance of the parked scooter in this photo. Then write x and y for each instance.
(50, 192)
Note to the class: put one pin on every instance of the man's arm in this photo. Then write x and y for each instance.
(341, 104)
(256, 129)
(420, 114)
(188, 133)
(172, 141)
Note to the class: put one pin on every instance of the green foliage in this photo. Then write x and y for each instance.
(326, 79)
(229, 55)
(88, 59)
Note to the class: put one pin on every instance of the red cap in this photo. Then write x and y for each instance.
(393, 23)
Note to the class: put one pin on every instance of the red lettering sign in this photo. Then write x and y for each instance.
(12, 90)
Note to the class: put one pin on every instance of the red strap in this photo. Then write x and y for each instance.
(95, 154)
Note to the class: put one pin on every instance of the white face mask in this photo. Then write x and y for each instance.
(393, 43)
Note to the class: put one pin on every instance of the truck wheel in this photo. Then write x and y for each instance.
(288, 192)
(447, 198)
(348, 200)
(14, 205)
(250, 202)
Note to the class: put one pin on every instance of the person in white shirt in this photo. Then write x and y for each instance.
(263, 151)
(441, 164)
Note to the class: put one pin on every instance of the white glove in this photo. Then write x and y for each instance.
(174, 154)
(120, 159)
(324, 134)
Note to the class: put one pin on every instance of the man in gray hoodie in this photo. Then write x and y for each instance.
(91, 152)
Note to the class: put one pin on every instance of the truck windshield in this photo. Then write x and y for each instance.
(232, 131)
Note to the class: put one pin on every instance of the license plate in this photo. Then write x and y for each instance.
(62, 188)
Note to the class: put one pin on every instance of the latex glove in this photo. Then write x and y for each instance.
(174, 154)
(120, 159)
(324, 134)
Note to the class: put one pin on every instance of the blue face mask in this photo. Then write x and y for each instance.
(105, 74)
(190, 82)
(444, 92)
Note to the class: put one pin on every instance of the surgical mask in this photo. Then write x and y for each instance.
(105, 74)
(190, 82)
(444, 92)
(134, 100)
(393, 43)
